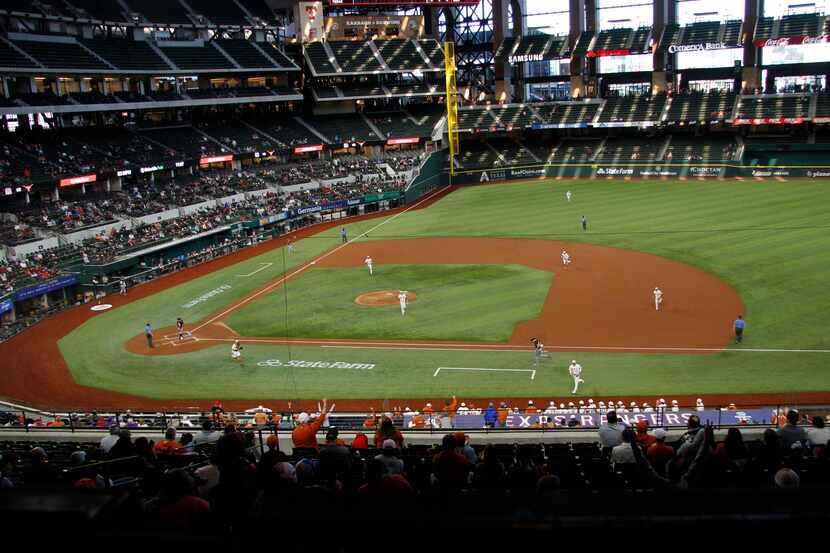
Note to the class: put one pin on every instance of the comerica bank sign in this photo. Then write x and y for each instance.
(702, 46)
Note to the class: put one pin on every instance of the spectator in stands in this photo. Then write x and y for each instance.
(388, 457)
(450, 469)
(490, 473)
(187, 443)
(305, 434)
(490, 416)
(123, 447)
(180, 507)
(787, 479)
(360, 441)
(791, 433)
(769, 455)
(335, 458)
(645, 439)
(610, 433)
(622, 454)
(40, 470)
(464, 448)
(687, 440)
(6, 472)
(109, 440)
(390, 490)
(659, 453)
(387, 431)
(206, 435)
(817, 433)
(169, 445)
(732, 452)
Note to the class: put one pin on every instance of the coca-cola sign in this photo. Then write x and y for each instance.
(791, 40)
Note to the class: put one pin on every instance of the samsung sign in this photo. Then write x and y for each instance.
(675, 48)
(525, 57)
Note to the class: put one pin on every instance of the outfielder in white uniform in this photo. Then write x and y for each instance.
(123, 287)
(658, 298)
(236, 351)
(575, 370)
(402, 301)
(568, 195)
(566, 258)
(368, 261)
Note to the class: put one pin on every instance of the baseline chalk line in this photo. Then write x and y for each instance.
(264, 266)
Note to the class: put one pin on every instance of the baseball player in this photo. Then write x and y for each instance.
(236, 351)
(123, 287)
(568, 196)
(575, 370)
(566, 258)
(148, 333)
(538, 351)
(180, 327)
(369, 263)
(290, 245)
(658, 298)
(401, 298)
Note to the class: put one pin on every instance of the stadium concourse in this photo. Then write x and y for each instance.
(146, 143)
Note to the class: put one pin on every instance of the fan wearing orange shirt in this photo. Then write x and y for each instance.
(305, 434)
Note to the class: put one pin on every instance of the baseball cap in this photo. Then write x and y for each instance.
(302, 418)
(271, 441)
(573, 360)
(660, 434)
(460, 437)
(642, 425)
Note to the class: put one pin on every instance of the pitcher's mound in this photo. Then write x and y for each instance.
(385, 297)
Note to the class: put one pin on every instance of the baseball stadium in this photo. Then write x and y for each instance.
(516, 255)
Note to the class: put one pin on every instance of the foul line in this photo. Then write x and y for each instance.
(531, 371)
(264, 266)
(313, 262)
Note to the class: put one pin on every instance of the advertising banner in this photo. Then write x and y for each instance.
(561, 418)
(215, 159)
(310, 18)
(46, 287)
(383, 26)
(395, 141)
(675, 48)
(83, 179)
(6, 305)
(607, 53)
(770, 121)
(791, 40)
(306, 149)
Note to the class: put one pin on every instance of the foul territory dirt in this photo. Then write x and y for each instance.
(384, 297)
(602, 299)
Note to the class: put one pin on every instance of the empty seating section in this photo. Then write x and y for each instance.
(342, 128)
(22, 6)
(326, 92)
(400, 55)
(700, 106)
(362, 90)
(512, 154)
(219, 13)
(533, 45)
(764, 27)
(572, 113)
(9, 57)
(258, 8)
(196, 57)
(415, 89)
(426, 116)
(184, 140)
(469, 119)
(477, 155)
(92, 97)
(354, 57)
(704, 31)
(613, 39)
(432, 48)
(241, 138)
(633, 109)
(160, 11)
(568, 151)
(277, 55)
(398, 125)
(641, 40)
(287, 133)
(105, 10)
(823, 105)
(134, 55)
(671, 35)
(694, 149)
(513, 116)
(582, 44)
(774, 107)
(127, 149)
(805, 24)
(732, 33)
(61, 55)
(620, 151)
(245, 54)
(319, 58)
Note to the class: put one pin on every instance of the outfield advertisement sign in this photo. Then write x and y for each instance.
(563, 418)
(299, 363)
(46, 287)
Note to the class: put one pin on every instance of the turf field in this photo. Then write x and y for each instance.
(770, 240)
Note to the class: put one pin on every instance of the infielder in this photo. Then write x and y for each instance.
(538, 351)
(236, 351)
(658, 298)
(575, 370)
(566, 258)
(369, 263)
(401, 299)
(568, 195)
(180, 327)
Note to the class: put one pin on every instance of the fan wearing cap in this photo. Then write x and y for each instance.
(643, 437)
(659, 453)
(305, 434)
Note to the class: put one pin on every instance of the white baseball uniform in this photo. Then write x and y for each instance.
(566, 258)
(658, 298)
(123, 286)
(402, 300)
(236, 351)
(568, 195)
(575, 370)
(368, 261)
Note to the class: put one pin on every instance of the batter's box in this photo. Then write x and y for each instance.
(185, 340)
(175, 336)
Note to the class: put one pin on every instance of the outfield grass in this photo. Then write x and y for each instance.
(770, 240)
(454, 302)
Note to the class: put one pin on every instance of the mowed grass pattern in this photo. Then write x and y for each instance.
(770, 240)
(454, 302)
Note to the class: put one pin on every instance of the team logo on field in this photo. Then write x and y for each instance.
(316, 364)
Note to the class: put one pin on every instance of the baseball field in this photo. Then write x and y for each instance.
(483, 273)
